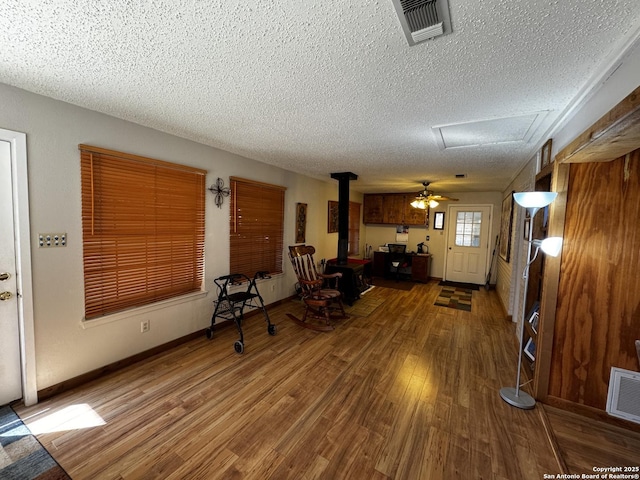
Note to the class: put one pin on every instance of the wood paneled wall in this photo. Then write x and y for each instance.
(598, 309)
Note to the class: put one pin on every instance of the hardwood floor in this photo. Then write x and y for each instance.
(583, 443)
(409, 391)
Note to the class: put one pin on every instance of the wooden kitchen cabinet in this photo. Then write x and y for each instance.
(372, 209)
(392, 209)
(413, 216)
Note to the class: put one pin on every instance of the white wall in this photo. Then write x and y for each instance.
(65, 347)
(377, 235)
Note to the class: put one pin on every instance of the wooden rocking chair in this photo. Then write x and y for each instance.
(319, 292)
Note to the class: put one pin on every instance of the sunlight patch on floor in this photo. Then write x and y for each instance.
(73, 417)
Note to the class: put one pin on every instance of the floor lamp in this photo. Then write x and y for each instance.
(532, 201)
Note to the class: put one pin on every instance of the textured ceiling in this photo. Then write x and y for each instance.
(321, 88)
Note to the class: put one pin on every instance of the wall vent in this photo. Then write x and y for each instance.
(623, 399)
(423, 19)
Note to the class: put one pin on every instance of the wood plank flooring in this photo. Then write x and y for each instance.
(584, 443)
(407, 391)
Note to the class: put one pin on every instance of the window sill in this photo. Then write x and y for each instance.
(125, 314)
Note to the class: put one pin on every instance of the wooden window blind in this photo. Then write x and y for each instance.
(142, 230)
(256, 227)
(354, 228)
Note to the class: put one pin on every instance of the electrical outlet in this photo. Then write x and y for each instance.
(145, 325)
(52, 239)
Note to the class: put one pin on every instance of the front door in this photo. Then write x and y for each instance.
(468, 243)
(10, 371)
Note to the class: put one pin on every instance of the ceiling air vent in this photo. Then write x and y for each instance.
(423, 19)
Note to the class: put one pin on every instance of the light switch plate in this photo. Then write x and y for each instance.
(52, 239)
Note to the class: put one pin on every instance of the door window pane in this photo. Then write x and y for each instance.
(468, 225)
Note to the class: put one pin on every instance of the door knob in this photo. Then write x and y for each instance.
(5, 296)
(5, 276)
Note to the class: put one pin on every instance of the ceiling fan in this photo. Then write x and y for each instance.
(428, 198)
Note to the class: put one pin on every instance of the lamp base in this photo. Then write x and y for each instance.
(521, 400)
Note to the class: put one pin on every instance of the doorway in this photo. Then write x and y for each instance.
(17, 343)
(11, 373)
(468, 233)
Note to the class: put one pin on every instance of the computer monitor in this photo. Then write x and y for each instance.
(397, 248)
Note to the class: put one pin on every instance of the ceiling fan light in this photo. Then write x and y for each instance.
(427, 198)
(419, 203)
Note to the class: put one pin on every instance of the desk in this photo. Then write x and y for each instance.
(354, 277)
(418, 265)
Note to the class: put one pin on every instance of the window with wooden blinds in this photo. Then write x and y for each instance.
(142, 230)
(354, 228)
(256, 227)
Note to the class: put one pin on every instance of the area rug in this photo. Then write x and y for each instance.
(468, 286)
(22, 457)
(452, 297)
(364, 306)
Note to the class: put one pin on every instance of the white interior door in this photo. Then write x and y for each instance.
(10, 364)
(468, 230)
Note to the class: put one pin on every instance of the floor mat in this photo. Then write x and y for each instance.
(21, 455)
(452, 297)
(467, 286)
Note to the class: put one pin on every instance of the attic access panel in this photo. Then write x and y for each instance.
(423, 19)
(516, 129)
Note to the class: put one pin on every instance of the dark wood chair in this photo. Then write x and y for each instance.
(319, 292)
(398, 260)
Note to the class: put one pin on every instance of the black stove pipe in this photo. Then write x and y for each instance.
(343, 214)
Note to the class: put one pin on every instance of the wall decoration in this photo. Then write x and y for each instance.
(505, 227)
(301, 222)
(538, 161)
(332, 218)
(220, 191)
(438, 221)
(545, 154)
